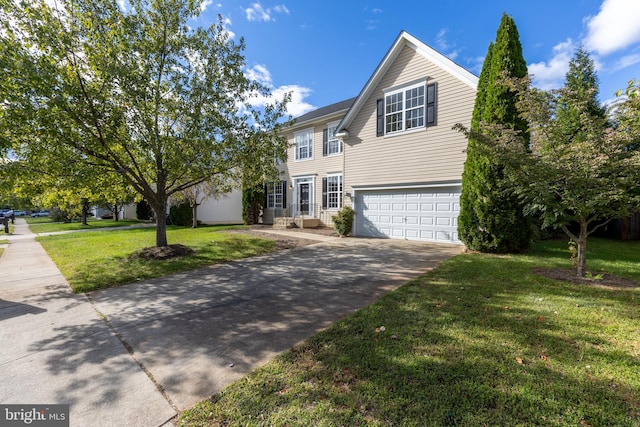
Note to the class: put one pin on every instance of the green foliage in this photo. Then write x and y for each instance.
(582, 81)
(252, 204)
(139, 93)
(343, 221)
(181, 215)
(587, 179)
(143, 210)
(491, 217)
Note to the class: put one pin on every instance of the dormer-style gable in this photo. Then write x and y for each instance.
(423, 92)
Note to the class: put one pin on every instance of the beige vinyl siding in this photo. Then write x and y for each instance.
(319, 166)
(432, 154)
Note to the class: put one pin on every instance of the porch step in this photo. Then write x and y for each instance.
(282, 223)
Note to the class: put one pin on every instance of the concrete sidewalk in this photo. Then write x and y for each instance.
(56, 350)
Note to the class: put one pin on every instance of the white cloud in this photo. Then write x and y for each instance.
(258, 13)
(444, 46)
(615, 27)
(259, 73)
(550, 75)
(295, 107)
(203, 6)
(281, 9)
(226, 23)
(377, 10)
(626, 61)
(372, 24)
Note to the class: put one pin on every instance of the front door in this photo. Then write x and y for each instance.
(303, 201)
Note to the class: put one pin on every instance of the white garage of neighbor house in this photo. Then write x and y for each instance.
(390, 153)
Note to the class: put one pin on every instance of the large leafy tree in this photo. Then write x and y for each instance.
(140, 93)
(491, 218)
(585, 180)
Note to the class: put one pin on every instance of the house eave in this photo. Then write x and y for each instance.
(405, 39)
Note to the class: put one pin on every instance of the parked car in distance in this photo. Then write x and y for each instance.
(39, 214)
(19, 213)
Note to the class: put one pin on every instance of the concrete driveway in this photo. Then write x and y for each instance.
(196, 332)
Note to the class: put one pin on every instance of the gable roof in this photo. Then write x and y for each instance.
(325, 111)
(405, 40)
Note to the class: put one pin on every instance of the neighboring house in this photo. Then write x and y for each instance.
(390, 152)
(223, 209)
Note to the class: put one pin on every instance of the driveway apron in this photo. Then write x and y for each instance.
(198, 331)
(54, 348)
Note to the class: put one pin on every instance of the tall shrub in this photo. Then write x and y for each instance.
(491, 217)
(181, 214)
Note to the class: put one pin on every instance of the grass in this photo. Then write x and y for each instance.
(100, 259)
(478, 341)
(46, 225)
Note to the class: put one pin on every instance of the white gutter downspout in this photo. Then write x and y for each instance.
(342, 137)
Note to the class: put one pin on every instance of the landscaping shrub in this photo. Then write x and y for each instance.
(343, 221)
(181, 215)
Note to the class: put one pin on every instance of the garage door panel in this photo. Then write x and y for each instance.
(426, 207)
(443, 221)
(426, 220)
(428, 214)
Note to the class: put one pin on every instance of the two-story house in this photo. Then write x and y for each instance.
(390, 152)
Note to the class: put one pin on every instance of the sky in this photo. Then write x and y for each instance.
(324, 51)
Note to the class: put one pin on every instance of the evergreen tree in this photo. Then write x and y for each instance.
(491, 218)
(581, 83)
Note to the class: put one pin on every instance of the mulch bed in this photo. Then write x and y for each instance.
(162, 252)
(608, 281)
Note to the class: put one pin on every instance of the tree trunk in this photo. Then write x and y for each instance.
(85, 210)
(161, 225)
(194, 224)
(582, 249)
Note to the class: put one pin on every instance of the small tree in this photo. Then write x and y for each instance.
(587, 180)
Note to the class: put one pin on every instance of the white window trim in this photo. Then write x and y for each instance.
(340, 145)
(271, 191)
(340, 192)
(305, 179)
(403, 89)
(295, 144)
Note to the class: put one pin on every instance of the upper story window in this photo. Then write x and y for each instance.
(407, 108)
(304, 144)
(330, 144)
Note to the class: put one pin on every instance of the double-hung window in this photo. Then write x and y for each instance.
(407, 108)
(304, 144)
(332, 192)
(331, 145)
(276, 195)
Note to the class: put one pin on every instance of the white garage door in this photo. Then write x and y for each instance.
(427, 214)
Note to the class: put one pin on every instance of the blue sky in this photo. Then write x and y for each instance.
(324, 51)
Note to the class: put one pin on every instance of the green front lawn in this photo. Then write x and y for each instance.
(100, 259)
(481, 340)
(46, 225)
